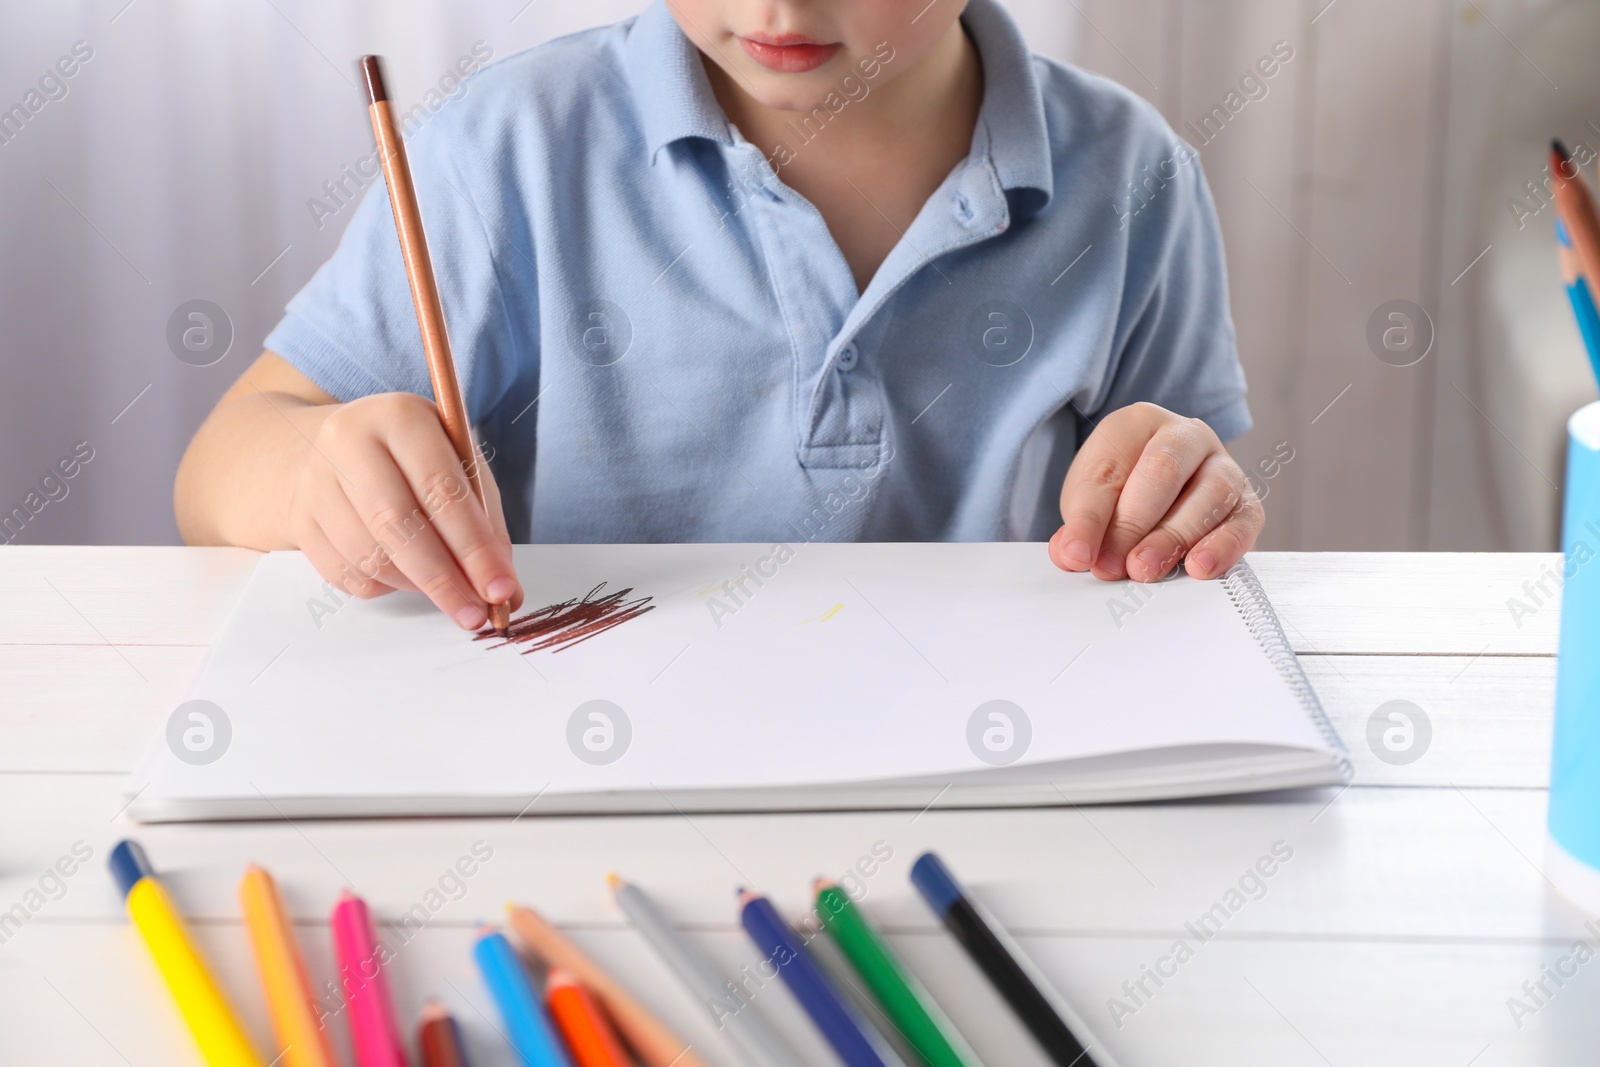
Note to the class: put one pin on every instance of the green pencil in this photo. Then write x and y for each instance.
(891, 984)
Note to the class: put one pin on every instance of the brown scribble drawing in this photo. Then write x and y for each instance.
(571, 622)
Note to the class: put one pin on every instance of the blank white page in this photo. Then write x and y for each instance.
(842, 663)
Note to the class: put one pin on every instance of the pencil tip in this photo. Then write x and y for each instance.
(434, 1010)
(613, 879)
(557, 978)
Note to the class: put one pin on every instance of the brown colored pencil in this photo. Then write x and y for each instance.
(1576, 208)
(439, 1038)
(650, 1040)
(424, 290)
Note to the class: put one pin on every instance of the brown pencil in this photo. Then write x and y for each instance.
(1577, 210)
(650, 1040)
(438, 1038)
(424, 290)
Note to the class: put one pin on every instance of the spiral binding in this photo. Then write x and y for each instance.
(1244, 589)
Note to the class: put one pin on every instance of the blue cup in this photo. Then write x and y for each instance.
(1574, 858)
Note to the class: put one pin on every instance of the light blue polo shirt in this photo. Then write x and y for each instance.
(660, 341)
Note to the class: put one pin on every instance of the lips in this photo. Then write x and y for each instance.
(789, 53)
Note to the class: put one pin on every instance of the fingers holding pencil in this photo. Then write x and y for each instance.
(452, 408)
(391, 508)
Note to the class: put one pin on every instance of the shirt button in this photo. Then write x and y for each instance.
(849, 357)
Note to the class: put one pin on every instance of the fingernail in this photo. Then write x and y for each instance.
(1152, 562)
(1111, 562)
(470, 618)
(1077, 555)
(1205, 563)
(501, 589)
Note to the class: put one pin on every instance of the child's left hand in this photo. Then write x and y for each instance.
(1149, 488)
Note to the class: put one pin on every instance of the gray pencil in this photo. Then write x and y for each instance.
(750, 1032)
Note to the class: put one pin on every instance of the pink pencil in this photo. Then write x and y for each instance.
(372, 1023)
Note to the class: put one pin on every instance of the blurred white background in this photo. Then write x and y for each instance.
(180, 161)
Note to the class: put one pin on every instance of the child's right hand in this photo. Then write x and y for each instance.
(370, 490)
(380, 502)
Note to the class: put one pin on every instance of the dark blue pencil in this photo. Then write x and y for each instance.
(998, 957)
(806, 981)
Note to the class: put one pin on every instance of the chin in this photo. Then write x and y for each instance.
(789, 92)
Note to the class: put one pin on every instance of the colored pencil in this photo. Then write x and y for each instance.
(1576, 209)
(777, 944)
(900, 996)
(528, 1028)
(1580, 293)
(295, 1019)
(649, 1039)
(373, 1030)
(754, 1036)
(1002, 962)
(221, 1039)
(424, 290)
(588, 1036)
(440, 1038)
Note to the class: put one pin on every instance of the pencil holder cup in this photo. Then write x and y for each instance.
(1574, 820)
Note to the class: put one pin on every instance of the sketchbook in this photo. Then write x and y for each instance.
(742, 677)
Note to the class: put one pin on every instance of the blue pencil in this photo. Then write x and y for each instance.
(806, 981)
(1580, 293)
(530, 1031)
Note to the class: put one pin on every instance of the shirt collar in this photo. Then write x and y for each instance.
(670, 84)
(1013, 105)
(676, 101)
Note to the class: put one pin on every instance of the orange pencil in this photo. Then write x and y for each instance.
(587, 1034)
(650, 1040)
(424, 290)
(295, 1020)
(1577, 210)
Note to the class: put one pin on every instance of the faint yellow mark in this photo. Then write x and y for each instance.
(825, 616)
(717, 585)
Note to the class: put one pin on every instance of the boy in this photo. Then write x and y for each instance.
(760, 270)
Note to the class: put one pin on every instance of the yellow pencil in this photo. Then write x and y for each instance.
(222, 1040)
(303, 1041)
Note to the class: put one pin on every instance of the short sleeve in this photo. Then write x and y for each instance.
(353, 329)
(1175, 344)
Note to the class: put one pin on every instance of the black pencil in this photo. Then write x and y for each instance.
(1007, 970)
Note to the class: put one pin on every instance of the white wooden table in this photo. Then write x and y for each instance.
(1412, 908)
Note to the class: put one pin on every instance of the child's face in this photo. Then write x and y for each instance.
(791, 54)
